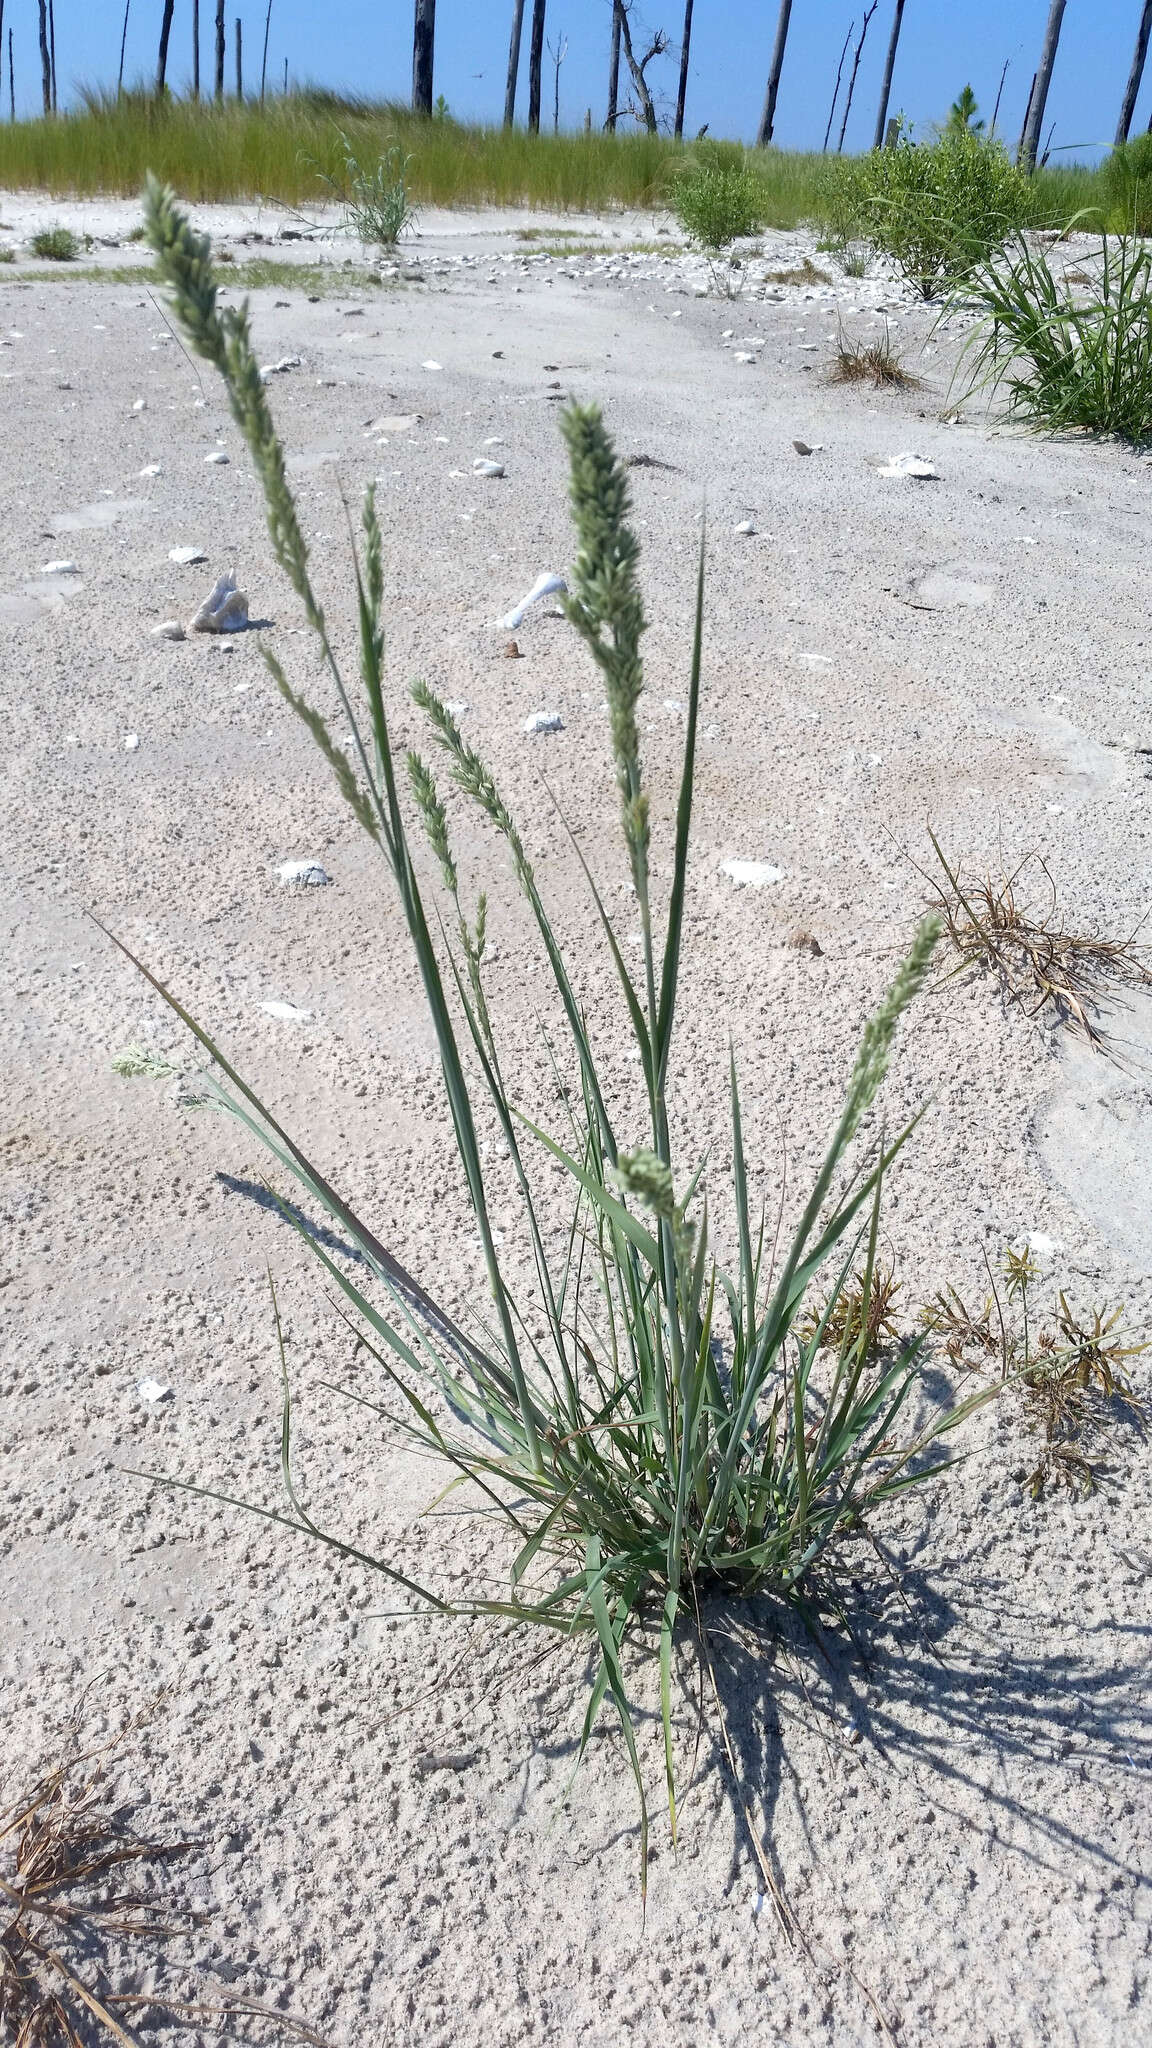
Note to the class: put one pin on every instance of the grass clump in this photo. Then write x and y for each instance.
(376, 197)
(992, 927)
(936, 210)
(639, 1423)
(1066, 357)
(55, 245)
(1127, 179)
(871, 362)
(801, 273)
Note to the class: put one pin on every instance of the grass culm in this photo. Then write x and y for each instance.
(643, 1425)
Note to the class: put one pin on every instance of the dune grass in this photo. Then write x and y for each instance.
(288, 149)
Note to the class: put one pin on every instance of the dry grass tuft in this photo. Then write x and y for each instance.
(874, 362)
(804, 273)
(64, 1851)
(850, 1318)
(1039, 963)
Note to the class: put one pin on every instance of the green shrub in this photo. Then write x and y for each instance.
(631, 1459)
(936, 209)
(1068, 356)
(716, 202)
(1127, 176)
(58, 245)
(376, 199)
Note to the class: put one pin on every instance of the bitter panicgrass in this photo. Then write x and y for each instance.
(631, 1457)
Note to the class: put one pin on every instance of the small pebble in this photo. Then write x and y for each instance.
(305, 874)
(139, 405)
(168, 629)
(153, 1390)
(802, 447)
(60, 569)
(150, 469)
(745, 526)
(543, 721)
(511, 651)
(218, 455)
(287, 1011)
(430, 365)
(131, 741)
(751, 874)
(186, 556)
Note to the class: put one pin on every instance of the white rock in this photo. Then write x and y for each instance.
(287, 1011)
(751, 874)
(493, 441)
(60, 569)
(131, 741)
(277, 369)
(150, 469)
(168, 629)
(139, 405)
(458, 709)
(546, 585)
(430, 365)
(909, 465)
(743, 355)
(153, 1390)
(186, 556)
(482, 467)
(224, 610)
(305, 874)
(745, 526)
(543, 721)
(218, 456)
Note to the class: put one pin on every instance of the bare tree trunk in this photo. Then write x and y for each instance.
(836, 89)
(678, 131)
(162, 59)
(614, 70)
(423, 55)
(535, 58)
(889, 67)
(768, 117)
(1035, 121)
(264, 59)
(52, 47)
(219, 49)
(195, 49)
(999, 96)
(45, 60)
(123, 41)
(11, 80)
(1, 45)
(513, 62)
(657, 48)
(1135, 75)
(239, 58)
(868, 13)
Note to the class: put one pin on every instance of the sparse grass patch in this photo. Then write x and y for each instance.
(375, 196)
(55, 245)
(1066, 360)
(871, 362)
(801, 273)
(1039, 963)
(627, 1452)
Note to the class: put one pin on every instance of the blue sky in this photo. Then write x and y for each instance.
(366, 44)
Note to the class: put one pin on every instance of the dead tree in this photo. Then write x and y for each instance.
(678, 130)
(123, 41)
(239, 58)
(868, 13)
(889, 67)
(557, 55)
(11, 79)
(1030, 141)
(219, 49)
(264, 59)
(162, 59)
(999, 96)
(52, 47)
(195, 49)
(614, 71)
(836, 88)
(45, 59)
(535, 60)
(513, 62)
(1132, 88)
(639, 69)
(423, 54)
(768, 116)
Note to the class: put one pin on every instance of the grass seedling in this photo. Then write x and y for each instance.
(1038, 962)
(55, 245)
(628, 1457)
(872, 362)
(1069, 352)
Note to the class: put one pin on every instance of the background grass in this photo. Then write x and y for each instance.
(242, 151)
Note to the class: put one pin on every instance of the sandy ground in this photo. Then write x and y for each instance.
(959, 1809)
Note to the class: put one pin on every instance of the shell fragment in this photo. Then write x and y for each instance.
(224, 610)
(545, 586)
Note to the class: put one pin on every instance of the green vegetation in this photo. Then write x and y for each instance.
(936, 209)
(316, 280)
(56, 245)
(717, 202)
(1068, 354)
(629, 1454)
(1127, 179)
(375, 197)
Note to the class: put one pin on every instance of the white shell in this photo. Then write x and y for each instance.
(150, 469)
(218, 455)
(224, 610)
(543, 721)
(186, 556)
(60, 569)
(168, 629)
(139, 405)
(277, 369)
(287, 1011)
(751, 874)
(743, 355)
(482, 467)
(131, 741)
(153, 1390)
(430, 365)
(909, 465)
(545, 586)
(746, 526)
(306, 874)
